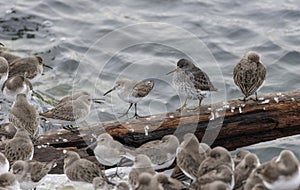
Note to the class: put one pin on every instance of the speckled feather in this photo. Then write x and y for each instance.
(27, 67)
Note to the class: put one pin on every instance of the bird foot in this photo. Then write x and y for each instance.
(194, 108)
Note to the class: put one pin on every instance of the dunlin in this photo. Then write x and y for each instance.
(28, 67)
(189, 157)
(80, 170)
(253, 180)
(162, 153)
(24, 115)
(169, 183)
(3, 70)
(218, 156)
(192, 82)
(4, 165)
(142, 164)
(240, 155)
(147, 182)
(9, 182)
(282, 172)
(108, 151)
(249, 74)
(121, 186)
(19, 148)
(31, 173)
(16, 85)
(70, 110)
(100, 184)
(244, 169)
(8, 56)
(132, 92)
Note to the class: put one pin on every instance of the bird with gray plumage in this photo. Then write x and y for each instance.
(101, 184)
(28, 67)
(189, 156)
(132, 92)
(192, 82)
(19, 148)
(4, 164)
(82, 170)
(142, 164)
(24, 115)
(168, 183)
(254, 180)
(147, 182)
(7, 131)
(16, 85)
(243, 170)
(239, 156)
(31, 173)
(3, 70)
(282, 172)
(9, 182)
(249, 74)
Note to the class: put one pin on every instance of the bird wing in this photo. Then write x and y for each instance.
(62, 111)
(23, 68)
(142, 88)
(200, 79)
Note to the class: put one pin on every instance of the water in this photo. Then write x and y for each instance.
(90, 44)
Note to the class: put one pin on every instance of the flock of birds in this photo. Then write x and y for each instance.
(198, 167)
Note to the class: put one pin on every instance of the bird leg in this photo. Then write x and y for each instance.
(183, 105)
(131, 104)
(196, 108)
(256, 98)
(135, 112)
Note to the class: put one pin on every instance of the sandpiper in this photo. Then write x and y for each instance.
(162, 153)
(168, 183)
(29, 67)
(132, 92)
(254, 180)
(4, 164)
(281, 173)
(192, 82)
(147, 182)
(80, 170)
(7, 131)
(31, 173)
(9, 182)
(101, 184)
(244, 169)
(249, 74)
(19, 148)
(24, 115)
(16, 85)
(70, 110)
(8, 56)
(3, 70)
(217, 156)
(240, 155)
(142, 164)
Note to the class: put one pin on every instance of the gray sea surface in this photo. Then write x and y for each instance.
(91, 44)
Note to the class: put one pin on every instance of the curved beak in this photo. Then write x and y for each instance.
(175, 70)
(114, 88)
(47, 66)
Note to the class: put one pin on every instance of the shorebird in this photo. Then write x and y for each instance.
(168, 183)
(281, 173)
(132, 92)
(4, 164)
(80, 170)
(7, 131)
(3, 70)
(24, 115)
(142, 164)
(254, 180)
(240, 155)
(70, 109)
(244, 169)
(147, 182)
(16, 85)
(9, 182)
(192, 82)
(19, 148)
(189, 156)
(31, 173)
(28, 67)
(249, 74)
(100, 184)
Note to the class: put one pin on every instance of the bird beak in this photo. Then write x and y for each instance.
(114, 88)
(47, 66)
(1, 44)
(97, 100)
(91, 145)
(175, 70)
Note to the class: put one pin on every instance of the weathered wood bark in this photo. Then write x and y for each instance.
(245, 123)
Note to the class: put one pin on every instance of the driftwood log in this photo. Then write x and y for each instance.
(274, 116)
